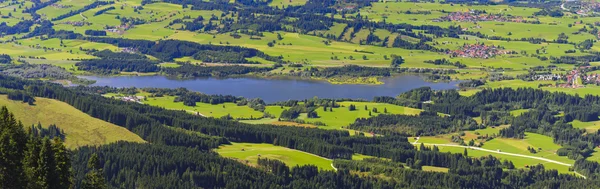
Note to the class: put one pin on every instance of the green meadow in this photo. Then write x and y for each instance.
(80, 129)
(286, 3)
(519, 162)
(544, 145)
(342, 116)
(250, 152)
(205, 109)
(589, 127)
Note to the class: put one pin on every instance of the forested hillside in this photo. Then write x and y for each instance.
(510, 97)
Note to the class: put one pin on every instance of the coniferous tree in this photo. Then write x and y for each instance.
(94, 178)
(12, 145)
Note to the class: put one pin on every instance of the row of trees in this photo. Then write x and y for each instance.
(425, 124)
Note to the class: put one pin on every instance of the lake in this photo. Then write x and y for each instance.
(274, 90)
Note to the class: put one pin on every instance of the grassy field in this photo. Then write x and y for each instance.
(518, 112)
(435, 169)
(589, 127)
(342, 116)
(549, 28)
(250, 152)
(586, 90)
(544, 146)
(286, 3)
(209, 110)
(519, 162)
(80, 128)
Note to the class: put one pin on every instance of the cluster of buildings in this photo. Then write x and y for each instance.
(346, 8)
(548, 77)
(119, 29)
(77, 23)
(129, 50)
(137, 99)
(59, 6)
(477, 51)
(585, 8)
(591, 79)
(473, 16)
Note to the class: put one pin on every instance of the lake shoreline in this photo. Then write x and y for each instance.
(276, 90)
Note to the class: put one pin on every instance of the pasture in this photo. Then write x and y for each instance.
(544, 145)
(80, 129)
(519, 162)
(250, 152)
(342, 116)
(590, 127)
(205, 109)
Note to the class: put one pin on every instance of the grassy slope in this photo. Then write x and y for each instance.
(251, 153)
(80, 128)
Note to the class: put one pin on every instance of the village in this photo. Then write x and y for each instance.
(478, 16)
(575, 78)
(478, 51)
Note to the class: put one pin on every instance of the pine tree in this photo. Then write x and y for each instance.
(94, 178)
(63, 164)
(12, 145)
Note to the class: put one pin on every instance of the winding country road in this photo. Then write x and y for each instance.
(500, 152)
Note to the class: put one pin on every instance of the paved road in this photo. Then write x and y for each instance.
(495, 151)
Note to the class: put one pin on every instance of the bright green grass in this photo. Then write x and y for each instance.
(518, 112)
(251, 152)
(72, 46)
(342, 116)
(435, 169)
(169, 65)
(590, 127)
(486, 131)
(519, 162)
(15, 50)
(361, 156)
(546, 143)
(312, 50)
(286, 3)
(470, 92)
(68, 65)
(544, 49)
(587, 90)
(434, 139)
(16, 12)
(52, 12)
(209, 110)
(80, 128)
(261, 60)
(393, 12)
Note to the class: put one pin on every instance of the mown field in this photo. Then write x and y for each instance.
(80, 129)
(249, 153)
